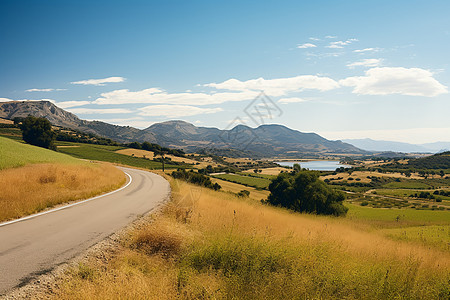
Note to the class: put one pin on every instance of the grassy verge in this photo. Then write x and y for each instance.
(33, 179)
(217, 246)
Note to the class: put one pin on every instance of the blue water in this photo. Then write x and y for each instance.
(317, 165)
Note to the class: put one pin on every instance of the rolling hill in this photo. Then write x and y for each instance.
(263, 141)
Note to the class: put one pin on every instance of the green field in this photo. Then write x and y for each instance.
(409, 216)
(410, 184)
(435, 235)
(107, 153)
(15, 154)
(261, 183)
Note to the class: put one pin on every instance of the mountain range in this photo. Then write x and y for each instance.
(377, 145)
(263, 141)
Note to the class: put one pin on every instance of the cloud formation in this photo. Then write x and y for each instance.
(45, 90)
(291, 100)
(279, 86)
(368, 62)
(403, 81)
(307, 45)
(367, 50)
(340, 44)
(159, 96)
(175, 111)
(67, 104)
(88, 111)
(99, 82)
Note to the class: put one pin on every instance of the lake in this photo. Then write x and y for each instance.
(318, 165)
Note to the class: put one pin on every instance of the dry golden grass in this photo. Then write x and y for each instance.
(32, 188)
(269, 171)
(236, 188)
(217, 246)
(5, 121)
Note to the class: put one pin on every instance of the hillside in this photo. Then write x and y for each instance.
(437, 161)
(263, 141)
(15, 154)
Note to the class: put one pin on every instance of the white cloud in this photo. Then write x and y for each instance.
(410, 135)
(175, 111)
(278, 86)
(291, 100)
(368, 62)
(99, 111)
(44, 90)
(158, 96)
(314, 39)
(331, 37)
(367, 50)
(403, 81)
(7, 100)
(67, 104)
(99, 82)
(341, 44)
(307, 45)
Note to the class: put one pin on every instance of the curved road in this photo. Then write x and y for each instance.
(34, 246)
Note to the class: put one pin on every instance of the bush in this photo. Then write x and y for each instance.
(304, 192)
(38, 132)
(243, 194)
(195, 178)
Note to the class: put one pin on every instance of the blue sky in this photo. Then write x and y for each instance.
(343, 69)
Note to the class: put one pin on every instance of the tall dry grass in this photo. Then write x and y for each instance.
(32, 188)
(213, 245)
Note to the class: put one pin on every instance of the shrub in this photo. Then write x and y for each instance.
(304, 192)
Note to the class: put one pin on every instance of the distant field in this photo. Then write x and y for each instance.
(15, 154)
(261, 183)
(108, 153)
(410, 184)
(408, 216)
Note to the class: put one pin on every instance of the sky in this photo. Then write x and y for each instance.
(342, 69)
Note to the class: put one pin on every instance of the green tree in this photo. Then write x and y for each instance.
(38, 132)
(305, 192)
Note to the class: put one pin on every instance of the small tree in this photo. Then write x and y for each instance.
(38, 132)
(305, 192)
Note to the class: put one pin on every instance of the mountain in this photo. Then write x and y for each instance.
(375, 145)
(263, 141)
(59, 117)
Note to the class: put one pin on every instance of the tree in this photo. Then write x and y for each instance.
(297, 168)
(38, 132)
(305, 192)
(135, 145)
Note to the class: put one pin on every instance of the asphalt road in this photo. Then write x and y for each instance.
(34, 246)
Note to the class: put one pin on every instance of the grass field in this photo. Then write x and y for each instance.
(220, 247)
(108, 154)
(261, 183)
(14, 154)
(33, 179)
